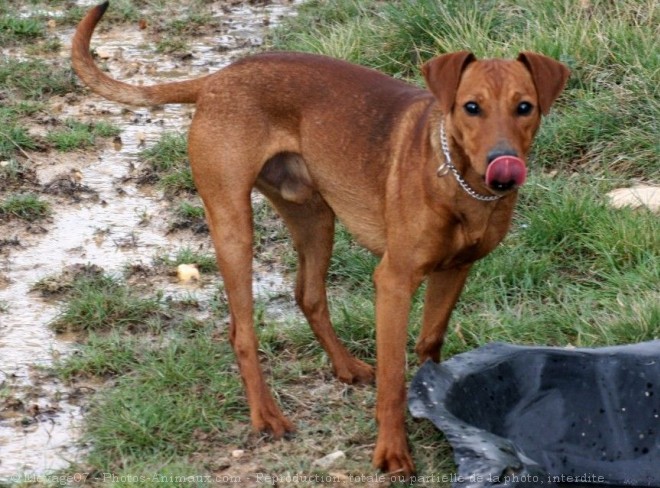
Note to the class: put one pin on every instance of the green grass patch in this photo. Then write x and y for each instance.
(77, 135)
(351, 265)
(126, 423)
(101, 302)
(14, 30)
(191, 373)
(169, 153)
(187, 210)
(25, 25)
(206, 263)
(24, 206)
(171, 45)
(14, 137)
(34, 80)
(103, 355)
(189, 216)
(168, 164)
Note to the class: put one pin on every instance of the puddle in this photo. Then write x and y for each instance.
(40, 423)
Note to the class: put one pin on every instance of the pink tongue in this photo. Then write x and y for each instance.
(506, 169)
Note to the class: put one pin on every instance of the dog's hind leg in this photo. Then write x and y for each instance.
(231, 228)
(312, 227)
(224, 178)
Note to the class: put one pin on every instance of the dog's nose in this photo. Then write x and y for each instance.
(496, 153)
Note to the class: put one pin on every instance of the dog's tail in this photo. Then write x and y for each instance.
(99, 82)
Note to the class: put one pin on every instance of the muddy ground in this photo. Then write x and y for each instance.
(101, 216)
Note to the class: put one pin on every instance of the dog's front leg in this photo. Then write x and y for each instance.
(442, 291)
(396, 280)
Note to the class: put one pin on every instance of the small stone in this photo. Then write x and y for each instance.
(236, 453)
(187, 273)
(103, 53)
(637, 196)
(76, 175)
(330, 459)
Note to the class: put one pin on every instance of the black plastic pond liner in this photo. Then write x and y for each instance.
(545, 417)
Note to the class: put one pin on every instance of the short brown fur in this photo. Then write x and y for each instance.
(322, 138)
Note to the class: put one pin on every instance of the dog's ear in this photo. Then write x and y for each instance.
(442, 75)
(549, 77)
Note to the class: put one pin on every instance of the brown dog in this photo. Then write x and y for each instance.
(427, 180)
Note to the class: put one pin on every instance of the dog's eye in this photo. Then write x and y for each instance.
(472, 108)
(525, 108)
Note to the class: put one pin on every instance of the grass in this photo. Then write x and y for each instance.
(31, 25)
(34, 80)
(99, 300)
(205, 262)
(174, 373)
(187, 362)
(189, 216)
(25, 86)
(201, 414)
(77, 135)
(14, 30)
(168, 164)
(14, 139)
(187, 210)
(571, 271)
(24, 206)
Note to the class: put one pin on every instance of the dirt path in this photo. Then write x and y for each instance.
(111, 224)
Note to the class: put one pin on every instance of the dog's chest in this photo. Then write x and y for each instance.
(473, 237)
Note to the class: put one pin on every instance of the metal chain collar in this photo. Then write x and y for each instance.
(447, 166)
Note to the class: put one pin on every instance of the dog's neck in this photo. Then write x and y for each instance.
(447, 167)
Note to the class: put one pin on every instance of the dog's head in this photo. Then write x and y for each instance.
(493, 108)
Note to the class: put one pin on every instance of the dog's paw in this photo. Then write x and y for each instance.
(392, 456)
(355, 371)
(268, 418)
